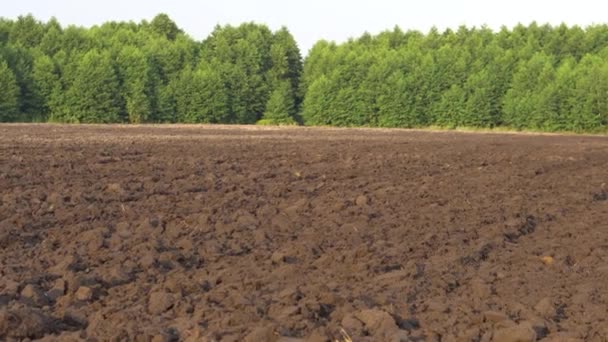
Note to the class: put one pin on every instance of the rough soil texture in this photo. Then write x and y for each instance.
(242, 234)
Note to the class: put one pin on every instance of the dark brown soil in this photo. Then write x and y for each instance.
(247, 234)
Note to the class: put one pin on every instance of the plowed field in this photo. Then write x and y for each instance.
(246, 234)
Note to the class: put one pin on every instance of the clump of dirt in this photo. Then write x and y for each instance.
(199, 233)
(600, 196)
(21, 323)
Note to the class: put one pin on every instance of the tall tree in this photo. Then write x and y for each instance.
(590, 105)
(164, 26)
(27, 31)
(6, 27)
(134, 72)
(202, 97)
(451, 109)
(397, 104)
(21, 59)
(281, 107)
(286, 63)
(318, 99)
(95, 95)
(47, 84)
(51, 41)
(481, 102)
(522, 103)
(9, 94)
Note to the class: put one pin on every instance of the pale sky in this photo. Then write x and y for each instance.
(311, 20)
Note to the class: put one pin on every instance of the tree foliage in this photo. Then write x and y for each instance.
(94, 97)
(529, 77)
(281, 106)
(144, 72)
(202, 97)
(133, 70)
(9, 94)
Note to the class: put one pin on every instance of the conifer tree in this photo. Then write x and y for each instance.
(317, 102)
(9, 94)
(558, 98)
(590, 110)
(281, 106)
(94, 97)
(481, 104)
(20, 61)
(46, 84)
(201, 97)
(27, 31)
(286, 63)
(165, 27)
(522, 102)
(450, 110)
(134, 73)
(396, 103)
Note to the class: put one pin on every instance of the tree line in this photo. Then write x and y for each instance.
(530, 77)
(146, 72)
(538, 77)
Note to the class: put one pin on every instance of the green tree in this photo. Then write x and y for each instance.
(252, 61)
(481, 101)
(27, 31)
(166, 111)
(449, 70)
(95, 95)
(75, 40)
(166, 59)
(164, 26)
(134, 72)
(554, 99)
(522, 104)
(46, 84)
(9, 94)
(397, 104)
(589, 111)
(20, 60)
(318, 98)
(281, 106)
(51, 41)
(320, 61)
(286, 63)
(450, 110)
(201, 97)
(6, 27)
